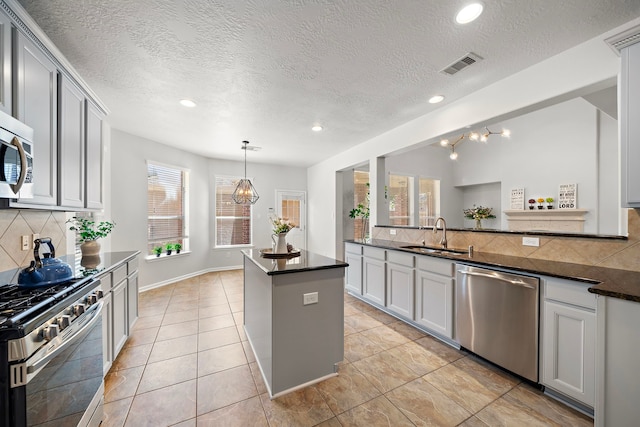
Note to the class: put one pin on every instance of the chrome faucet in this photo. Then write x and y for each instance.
(443, 241)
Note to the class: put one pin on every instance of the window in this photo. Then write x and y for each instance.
(233, 221)
(428, 200)
(360, 196)
(400, 200)
(166, 206)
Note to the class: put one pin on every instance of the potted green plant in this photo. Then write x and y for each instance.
(177, 247)
(549, 202)
(89, 232)
(157, 250)
(169, 248)
(362, 211)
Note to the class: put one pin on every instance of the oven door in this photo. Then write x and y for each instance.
(64, 383)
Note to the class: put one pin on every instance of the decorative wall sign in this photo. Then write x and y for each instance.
(568, 196)
(517, 199)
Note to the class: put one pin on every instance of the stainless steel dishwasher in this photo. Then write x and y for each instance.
(497, 317)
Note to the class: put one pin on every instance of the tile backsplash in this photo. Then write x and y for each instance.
(17, 223)
(620, 254)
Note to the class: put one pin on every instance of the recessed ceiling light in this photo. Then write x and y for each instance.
(187, 103)
(435, 99)
(316, 128)
(469, 13)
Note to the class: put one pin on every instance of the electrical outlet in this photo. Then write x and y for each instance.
(530, 241)
(35, 236)
(25, 243)
(392, 232)
(311, 298)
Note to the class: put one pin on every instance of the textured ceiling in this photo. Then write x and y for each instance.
(267, 70)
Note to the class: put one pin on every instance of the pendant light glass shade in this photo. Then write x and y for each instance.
(245, 193)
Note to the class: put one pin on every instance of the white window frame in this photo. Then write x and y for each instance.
(215, 216)
(185, 207)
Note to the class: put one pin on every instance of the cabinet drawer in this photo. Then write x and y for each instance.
(106, 283)
(353, 249)
(436, 265)
(119, 274)
(570, 292)
(375, 253)
(401, 258)
(132, 266)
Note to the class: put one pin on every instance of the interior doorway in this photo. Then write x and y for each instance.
(292, 205)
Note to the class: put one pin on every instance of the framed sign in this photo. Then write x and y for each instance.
(568, 196)
(517, 199)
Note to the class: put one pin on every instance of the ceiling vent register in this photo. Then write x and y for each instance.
(624, 39)
(462, 63)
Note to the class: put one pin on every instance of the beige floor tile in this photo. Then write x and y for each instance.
(378, 412)
(220, 359)
(331, 422)
(471, 384)
(214, 310)
(165, 406)
(115, 413)
(217, 338)
(357, 346)
(382, 317)
(163, 350)
(182, 305)
(385, 371)
(188, 423)
(242, 414)
(168, 372)
(121, 384)
(474, 422)
(248, 352)
(215, 322)
(177, 330)
(417, 358)
(509, 413)
(350, 310)
(425, 405)
(385, 337)
(526, 395)
(225, 388)
(406, 330)
(257, 378)
(212, 301)
(236, 306)
(142, 336)
(148, 321)
(151, 309)
(131, 357)
(347, 390)
(361, 322)
(304, 407)
(180, 316)
(442, 350)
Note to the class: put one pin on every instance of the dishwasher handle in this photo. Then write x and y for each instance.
(517, 282)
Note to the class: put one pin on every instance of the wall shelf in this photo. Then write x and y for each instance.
(565, 220)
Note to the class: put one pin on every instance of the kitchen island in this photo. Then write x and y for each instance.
(294, 318)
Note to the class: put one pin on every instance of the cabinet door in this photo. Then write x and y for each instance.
(71, 145)
(400, 289)
(354, 273)
(132, 300)
(107, 333)
(94, 118)
(36, 103)
(373, 280)
(5, 64)
(568, 358)
(434, 302)
(630, 125)
(120, 322)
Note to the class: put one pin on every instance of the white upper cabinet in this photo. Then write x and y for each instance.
(630, 125)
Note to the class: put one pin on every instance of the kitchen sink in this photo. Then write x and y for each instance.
(432, 250)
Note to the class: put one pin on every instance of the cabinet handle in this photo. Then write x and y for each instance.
(23, 166)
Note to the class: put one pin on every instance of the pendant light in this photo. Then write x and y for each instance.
(245, 193)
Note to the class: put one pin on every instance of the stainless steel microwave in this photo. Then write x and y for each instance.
(16, 158)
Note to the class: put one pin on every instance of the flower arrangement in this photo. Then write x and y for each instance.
(281, 225)
(532, 202)
(88, 229)
(479, 212)
(540, 202)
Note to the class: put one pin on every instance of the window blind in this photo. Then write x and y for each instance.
(233, 221)
(165, 205)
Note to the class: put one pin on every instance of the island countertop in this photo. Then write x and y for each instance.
(623, 284)
(307, 261)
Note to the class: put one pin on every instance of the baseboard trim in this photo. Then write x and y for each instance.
(188, 276)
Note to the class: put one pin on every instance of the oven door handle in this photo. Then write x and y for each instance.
(90, 318)
(23, 166)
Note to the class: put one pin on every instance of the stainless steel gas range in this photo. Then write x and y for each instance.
(51, 364)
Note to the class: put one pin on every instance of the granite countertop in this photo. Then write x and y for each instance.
(623, 284)
(307, 261)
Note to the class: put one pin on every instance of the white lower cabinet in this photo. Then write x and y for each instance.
(569, 339)
(400, 283)
(434, 295)
(120, 322)
(353, 257)
(107, 330)
(373, 274)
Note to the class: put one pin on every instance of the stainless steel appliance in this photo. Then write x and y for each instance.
(16, 158)
(51, 362)
(497, 317)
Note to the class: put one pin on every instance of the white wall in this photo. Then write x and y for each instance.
(128, 188)
(592, 64)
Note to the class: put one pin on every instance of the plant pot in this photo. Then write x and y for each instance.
(158, 255)
(90, 248)
(168, 251)
(531, 207)
(550, 207)
(540, 207)
(177, 251)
